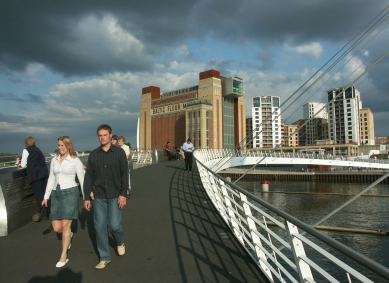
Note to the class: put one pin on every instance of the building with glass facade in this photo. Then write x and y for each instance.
(211, 113)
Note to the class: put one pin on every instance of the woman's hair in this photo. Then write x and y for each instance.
(115, 137)
(67, 141)
(29, 141)
(122, 138)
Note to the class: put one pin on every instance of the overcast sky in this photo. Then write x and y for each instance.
(68, 66)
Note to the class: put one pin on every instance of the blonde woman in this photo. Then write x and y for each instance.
(64, 192)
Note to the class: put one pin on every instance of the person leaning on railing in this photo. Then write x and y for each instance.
(37, 173)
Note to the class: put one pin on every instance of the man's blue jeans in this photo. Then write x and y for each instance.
(107, 212)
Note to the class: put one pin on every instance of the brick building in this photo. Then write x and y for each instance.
(211, 113)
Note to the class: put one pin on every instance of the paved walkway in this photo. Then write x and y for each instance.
(172, 234)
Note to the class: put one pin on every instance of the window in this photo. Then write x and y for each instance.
(256, 102)
(364, 119)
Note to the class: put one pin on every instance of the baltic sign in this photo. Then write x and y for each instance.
(169, 108)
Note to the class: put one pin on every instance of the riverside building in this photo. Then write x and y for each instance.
(211, 113)
(266, 120)
(314, 113)
(367, 126)
(344, 106)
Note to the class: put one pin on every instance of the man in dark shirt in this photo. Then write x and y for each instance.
(107, 175)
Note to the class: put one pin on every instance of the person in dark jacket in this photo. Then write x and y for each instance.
(107, 176)
(37, 172)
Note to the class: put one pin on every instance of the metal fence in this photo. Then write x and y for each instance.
(286, 249)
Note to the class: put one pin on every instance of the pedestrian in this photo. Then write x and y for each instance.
(188, 152)
(115, 140)
(64, 193)
(107, 175)
(37, 174)
(121, 143)
(168, 151)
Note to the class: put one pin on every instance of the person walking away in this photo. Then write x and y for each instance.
(107, 175)
(121, 143)
(64, 193)
(188, 152)
(37, 173)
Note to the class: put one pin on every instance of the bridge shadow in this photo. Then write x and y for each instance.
(202, 239)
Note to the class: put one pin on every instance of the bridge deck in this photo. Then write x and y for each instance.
(172, 234)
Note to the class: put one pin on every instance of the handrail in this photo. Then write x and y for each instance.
(248, 215)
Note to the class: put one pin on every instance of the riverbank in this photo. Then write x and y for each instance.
(343, 176)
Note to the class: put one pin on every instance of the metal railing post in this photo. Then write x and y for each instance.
(233, 221)
(296, 245)
(255, 239)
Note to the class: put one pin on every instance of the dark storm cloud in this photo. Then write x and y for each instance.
(49, 32)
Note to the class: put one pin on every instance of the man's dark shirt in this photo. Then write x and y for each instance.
(107, 172)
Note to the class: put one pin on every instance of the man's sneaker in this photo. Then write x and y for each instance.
(121, 250)
(102, 264)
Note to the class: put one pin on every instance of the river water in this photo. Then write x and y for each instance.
(367, 212)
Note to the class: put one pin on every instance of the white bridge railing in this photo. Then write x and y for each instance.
(286, 249)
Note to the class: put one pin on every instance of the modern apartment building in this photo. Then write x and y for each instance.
(212, 114)
(367, 126)
(266, 115)
(344, 106)
(313, 113)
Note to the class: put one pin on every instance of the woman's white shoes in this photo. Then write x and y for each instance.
(61, 263)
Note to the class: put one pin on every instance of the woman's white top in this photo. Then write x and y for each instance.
(65, 174)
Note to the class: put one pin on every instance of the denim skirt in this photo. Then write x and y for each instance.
(64, 203)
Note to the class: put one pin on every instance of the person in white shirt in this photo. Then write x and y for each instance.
(126, 148)
(64, 192)
(188, 148)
